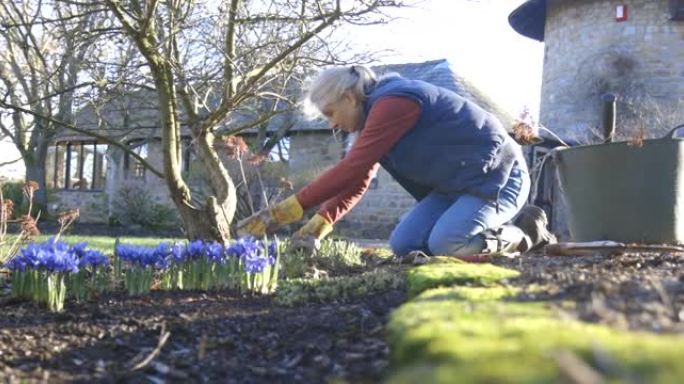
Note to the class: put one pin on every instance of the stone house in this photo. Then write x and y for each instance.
(629, 48)
(93, 176)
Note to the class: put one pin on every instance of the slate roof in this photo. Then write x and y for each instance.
(437, 72)
(441, 73)
(529, 19)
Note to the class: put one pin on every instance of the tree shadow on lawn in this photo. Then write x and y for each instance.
(214, 337)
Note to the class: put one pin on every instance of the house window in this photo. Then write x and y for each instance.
(133, 168)
(77, 165)
(189, 155)
(677, 9)
(281, 151)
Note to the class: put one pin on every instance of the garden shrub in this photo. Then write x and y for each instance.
(135, 205)
(14, 190)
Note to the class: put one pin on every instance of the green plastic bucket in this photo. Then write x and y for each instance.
(625, 192)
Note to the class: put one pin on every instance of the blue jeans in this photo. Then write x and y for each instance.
(450, 225)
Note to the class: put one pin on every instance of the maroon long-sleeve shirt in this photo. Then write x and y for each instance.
(340, 188)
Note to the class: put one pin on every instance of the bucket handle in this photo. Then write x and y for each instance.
(673, 132)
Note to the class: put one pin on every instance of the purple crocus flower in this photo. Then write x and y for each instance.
(59, 261)
(195, 249)
(94, 258)
(80, 249)
(16, 264)
(144, 256)
(179, 253)
(215, 252)
(52, 255)
(253, 253)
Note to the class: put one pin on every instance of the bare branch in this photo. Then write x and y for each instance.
(148, 19)
(11, 161)
(250, 80)
(264, 117)
(229, 69)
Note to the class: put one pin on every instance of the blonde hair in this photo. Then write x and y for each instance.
(331, 83)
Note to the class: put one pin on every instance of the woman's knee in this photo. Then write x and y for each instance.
(400, 245)
(454, 245)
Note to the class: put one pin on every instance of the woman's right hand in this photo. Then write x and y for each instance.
(269, 219)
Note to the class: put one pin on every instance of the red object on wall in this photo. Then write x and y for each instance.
(621, 12)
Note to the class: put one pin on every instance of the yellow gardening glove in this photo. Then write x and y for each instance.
(308, 237)
(318, 227)
(269, 219)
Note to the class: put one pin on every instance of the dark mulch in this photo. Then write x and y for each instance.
(637, 291)
(213, 337)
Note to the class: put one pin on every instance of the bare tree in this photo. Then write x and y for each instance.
(208, 61)
(42, 51)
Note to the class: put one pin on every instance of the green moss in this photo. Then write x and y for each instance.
(435, 275)
(468, 335)
(472, 294)
(428, 373)
(297, 291)
(445, 260)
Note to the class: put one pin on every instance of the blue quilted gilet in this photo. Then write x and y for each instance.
(455, 146)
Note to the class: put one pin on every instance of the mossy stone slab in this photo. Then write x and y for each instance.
(435, 275)
(470, 334)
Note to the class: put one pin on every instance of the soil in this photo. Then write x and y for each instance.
(636, 291)
(224, 337)
(212, 337)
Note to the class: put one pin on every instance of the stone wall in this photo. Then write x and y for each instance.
(588, 54)
(92, 205)
(312, 153)
(380, 210)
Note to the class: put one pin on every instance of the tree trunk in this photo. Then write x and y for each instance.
(35, 171)
(211, 221)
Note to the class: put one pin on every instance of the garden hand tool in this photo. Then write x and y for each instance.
(269, 219)
(606, 246)
(307, 245)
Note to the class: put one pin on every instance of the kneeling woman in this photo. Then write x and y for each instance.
(456, 159)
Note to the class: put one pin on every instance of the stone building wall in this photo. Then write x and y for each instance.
(92, 205)
(588, 54)
(311, 153)
(380, 210)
